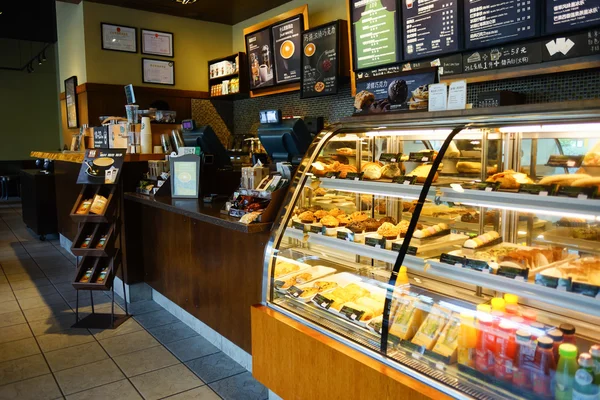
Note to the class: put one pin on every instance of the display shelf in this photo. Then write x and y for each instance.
(555, 297)
(375, 188)
(552, 205)
(565, 242)
(413, 263)
(224, 77)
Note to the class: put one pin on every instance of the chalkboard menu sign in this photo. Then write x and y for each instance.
(260, 58)
(320, 60)
(374, 32)
(491, 22)
(572, 45)
(568, 15)
(287, 47)
(512, 55)
(431, 27)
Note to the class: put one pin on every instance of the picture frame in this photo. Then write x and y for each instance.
(71, 102)
(185, 176)
(158, 72)
(118, 37)
(157, 43)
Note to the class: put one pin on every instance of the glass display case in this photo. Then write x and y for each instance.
(462, 252)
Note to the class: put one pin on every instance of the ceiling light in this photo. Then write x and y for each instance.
(184, 2)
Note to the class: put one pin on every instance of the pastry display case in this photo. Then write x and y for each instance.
(461, 251)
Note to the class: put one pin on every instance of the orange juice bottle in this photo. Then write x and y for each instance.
(467, 340)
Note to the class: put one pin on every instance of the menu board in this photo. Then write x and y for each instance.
(287, 42)
(260, 58)
(565, 15)
(491, 22)
(511, 55)
(320, 48)
(430, 27)
(374, 32)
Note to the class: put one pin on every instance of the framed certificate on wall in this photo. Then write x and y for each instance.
(119, 38)
(160, 72)
(157, 43)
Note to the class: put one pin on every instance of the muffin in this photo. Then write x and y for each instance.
(389, 231)
(336, 212)
(359, 216)
(330, 222)
(371, 225)
(320, 214)
(388, 219)
(315, 209)
(356, 227)
(343, 220)
(307, 217)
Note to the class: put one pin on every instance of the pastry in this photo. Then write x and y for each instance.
(363, 100)
(591, 159)
(587, 182)
(388, 219)
(371, 225)
(571, 222)
(432, 230)
(591, 233)
(344, 169)
(336, 212)
(346, 151)
(320, 214)
(369, 164)
(403, 228)
(319, 168)
(356, 227)
(329, 221)
(320, 192)
(343, 220)
(325, 285)
(315, 208)
(453, 151)
(372, 172)
(422, 172)
(374, 305)
(284, 268)
(481, 240)
(309, 292)
(467, 167)
(389, 231)
(398, 91)
(510, 179)
(563, 179)
(307, 217)
(358, 216)
(391, 171)
(303, 277)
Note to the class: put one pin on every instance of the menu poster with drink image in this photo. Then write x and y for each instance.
(398, 92)
(101, 166)
(287, 43)
(374, 32)
(320, 62)
(260, 59)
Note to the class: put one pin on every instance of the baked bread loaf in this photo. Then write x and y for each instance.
(510, 179)
(563, 179)
(372, 172)
(390, 171)
(344, 169)
(422, 172)
(468, 167)
(587, 182)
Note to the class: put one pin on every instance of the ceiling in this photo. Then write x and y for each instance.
(228, 12)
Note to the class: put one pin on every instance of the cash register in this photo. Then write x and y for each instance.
(217, 175)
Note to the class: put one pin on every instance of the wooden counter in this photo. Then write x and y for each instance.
(208, 264)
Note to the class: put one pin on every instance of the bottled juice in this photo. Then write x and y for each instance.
(512, 310)
(498, 304)
(568, 331)
(467, 340)
(557, 336)
(402, 276)
(565, 372)
(523, 360)
(595, 352)
(584, 387)
(537, 330)
(484, 357)
(505, 351)
(519, 322)
(511, 299)
(543, 368)
(529, 315)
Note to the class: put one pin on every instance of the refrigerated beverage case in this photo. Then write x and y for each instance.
(467, 340)
(584, 387)
(565, 372)
(529, 315)
(568, 331)
(523, 360)
(486, 340)
(543, 368)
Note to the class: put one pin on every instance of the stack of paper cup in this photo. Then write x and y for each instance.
(146, 136)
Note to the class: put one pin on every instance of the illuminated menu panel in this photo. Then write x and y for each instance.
(430, 27)
(491, 22)
(563, 15)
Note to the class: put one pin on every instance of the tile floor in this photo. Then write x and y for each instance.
(151, 356)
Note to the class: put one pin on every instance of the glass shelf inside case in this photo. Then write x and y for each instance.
(463, 257)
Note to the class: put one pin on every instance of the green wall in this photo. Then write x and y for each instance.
(71, 42)
(29, 104)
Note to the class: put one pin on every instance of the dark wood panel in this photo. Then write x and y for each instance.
(212, 272)
(297, 362)
(67, 191)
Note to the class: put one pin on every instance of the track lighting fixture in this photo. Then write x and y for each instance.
(39, 60)
(44, 55)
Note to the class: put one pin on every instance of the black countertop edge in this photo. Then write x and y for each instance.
(195, 209)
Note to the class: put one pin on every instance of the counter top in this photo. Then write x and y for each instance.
(78, 157)
(194, 208)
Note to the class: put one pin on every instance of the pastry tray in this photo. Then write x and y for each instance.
(289, 260)
(342, 279)
(317, 272)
